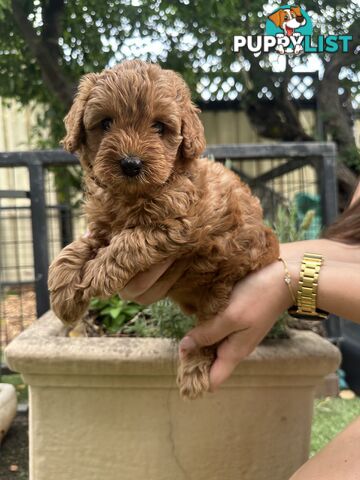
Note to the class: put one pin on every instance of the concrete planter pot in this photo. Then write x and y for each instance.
(108, 408)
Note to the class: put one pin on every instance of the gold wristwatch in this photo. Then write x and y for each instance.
(307, 290)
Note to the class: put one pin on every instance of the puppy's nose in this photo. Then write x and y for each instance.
(131, 166)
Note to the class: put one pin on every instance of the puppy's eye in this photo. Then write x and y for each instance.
(106, 124)
(159, 127)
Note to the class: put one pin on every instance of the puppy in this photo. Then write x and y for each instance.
(288, 19)
(150, 196)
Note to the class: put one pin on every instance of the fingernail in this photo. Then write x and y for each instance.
(187, 345)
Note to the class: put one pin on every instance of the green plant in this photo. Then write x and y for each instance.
(171, 321)
(286, 224)
(116, 317)
(279, 330)
(114, 313)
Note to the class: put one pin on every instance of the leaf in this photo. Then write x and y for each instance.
(112, 311)
(119, 321)
(132, 310)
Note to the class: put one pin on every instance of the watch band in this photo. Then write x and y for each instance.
(307, 289)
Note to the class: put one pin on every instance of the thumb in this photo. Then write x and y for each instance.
(207, 333)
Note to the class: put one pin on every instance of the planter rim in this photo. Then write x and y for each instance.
(43, 349)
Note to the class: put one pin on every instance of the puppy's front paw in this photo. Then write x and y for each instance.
(68, 304)
(194, 374)
(98, 279)
(102, 277)
(66, 298)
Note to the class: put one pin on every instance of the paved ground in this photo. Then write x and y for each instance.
(14, 451)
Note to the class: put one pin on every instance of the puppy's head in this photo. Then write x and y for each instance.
(133, 125)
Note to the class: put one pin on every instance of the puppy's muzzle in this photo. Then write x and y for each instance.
(131, 166)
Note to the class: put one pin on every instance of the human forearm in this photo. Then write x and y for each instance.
(338, 287)
(331, 251)
(339, 290)
(258, 300)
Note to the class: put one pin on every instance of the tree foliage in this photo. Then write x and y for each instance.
(46, 45)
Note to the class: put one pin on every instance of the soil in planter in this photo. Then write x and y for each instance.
(14, 451)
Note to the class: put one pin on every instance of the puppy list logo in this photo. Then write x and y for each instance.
(288, 29)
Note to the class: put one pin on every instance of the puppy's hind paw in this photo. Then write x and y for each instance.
(194, 375)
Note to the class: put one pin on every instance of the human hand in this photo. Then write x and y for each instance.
(148, 287)
(255, 304)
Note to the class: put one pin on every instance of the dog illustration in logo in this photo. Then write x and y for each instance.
(288, 20)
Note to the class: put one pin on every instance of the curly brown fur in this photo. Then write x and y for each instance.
(178, 204)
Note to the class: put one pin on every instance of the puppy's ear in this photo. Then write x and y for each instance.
(74, 119)
(192, 131)
(297, 11)
(277, 18)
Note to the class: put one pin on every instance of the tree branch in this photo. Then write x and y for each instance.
(335, 109)
(43, 50)
(53, 11)
(278, 119)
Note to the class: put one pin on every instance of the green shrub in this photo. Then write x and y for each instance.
(116, 317)
(113, 314)
(286, 225)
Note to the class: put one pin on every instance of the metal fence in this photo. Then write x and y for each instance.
(35, 224)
